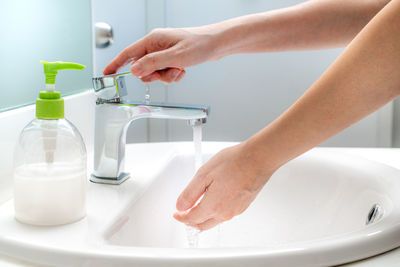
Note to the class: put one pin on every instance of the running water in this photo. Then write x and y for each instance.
(192, 236)
(197, 137)
(191, 232)
(147, 94)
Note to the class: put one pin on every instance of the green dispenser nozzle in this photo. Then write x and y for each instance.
(50, 105)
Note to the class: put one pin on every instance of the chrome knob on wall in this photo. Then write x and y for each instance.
(103, 34)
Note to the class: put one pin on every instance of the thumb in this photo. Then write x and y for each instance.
(132, 52)
(192, 192)
(153, 62)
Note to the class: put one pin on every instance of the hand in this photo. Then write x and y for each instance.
(164, 53)
(229, 182)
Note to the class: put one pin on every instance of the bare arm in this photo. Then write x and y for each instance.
(365, 77)
(164, 53)
(362, 79)
(314, 24)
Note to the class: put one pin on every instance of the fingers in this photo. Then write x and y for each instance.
(180, 76)
(132, 52)
(154, 52)
(155, 61)
(172, 75)
(229, 182)
(168, 75)
(197, 215)
(155, 76)
(210, 223)
(211, 206)
(193, 192)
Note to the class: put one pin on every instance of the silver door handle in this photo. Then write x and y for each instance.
(104, 34)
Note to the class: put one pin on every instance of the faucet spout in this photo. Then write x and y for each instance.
(112, 119)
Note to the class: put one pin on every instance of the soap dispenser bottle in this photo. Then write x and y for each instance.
(50, 161)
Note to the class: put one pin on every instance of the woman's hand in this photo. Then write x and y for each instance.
(228, 182)
(164, 53)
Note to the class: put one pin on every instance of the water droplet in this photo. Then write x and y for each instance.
(147, 94)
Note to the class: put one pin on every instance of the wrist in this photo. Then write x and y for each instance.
(223, 38)
(246, 34)
(228, 38)
(263, 161)
(207, 39)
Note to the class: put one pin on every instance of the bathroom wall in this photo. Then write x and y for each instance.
(42, 30)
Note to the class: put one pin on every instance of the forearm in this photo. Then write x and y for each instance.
(362, 79)
(315, 24)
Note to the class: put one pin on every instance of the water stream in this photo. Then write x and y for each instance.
(198, 154)
(147, 94)
(191, 232)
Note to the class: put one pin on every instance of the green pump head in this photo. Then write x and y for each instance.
(50, 105)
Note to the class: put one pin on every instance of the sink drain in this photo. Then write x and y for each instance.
(374, 214)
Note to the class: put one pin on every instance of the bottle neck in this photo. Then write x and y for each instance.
(50, 87)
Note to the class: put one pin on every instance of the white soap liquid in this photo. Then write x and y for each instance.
(191, 232)
(49, 194)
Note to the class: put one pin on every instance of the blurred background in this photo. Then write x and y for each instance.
(246, 92)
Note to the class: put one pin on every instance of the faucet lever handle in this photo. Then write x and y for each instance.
(110, 86)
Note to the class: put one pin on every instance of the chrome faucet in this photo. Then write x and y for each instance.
(114, 114)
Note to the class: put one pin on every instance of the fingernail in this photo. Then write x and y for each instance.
(152, 79)
(178, 215)
(105, 71)
(179, 77)
(136, 69)
(175, 74)
(182, 205)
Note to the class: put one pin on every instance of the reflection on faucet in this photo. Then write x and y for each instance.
(113, 116)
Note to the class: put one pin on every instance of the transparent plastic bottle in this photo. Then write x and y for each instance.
(50, 173)
(50, 161)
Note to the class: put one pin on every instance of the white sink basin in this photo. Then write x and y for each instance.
(312, 212)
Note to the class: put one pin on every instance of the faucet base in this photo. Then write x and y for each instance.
(104, 180)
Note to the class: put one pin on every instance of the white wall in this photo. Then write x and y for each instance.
(42, 30)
